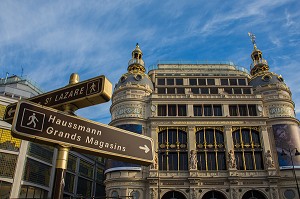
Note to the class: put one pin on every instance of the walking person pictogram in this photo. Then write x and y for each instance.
(92, 88)
(32, 120)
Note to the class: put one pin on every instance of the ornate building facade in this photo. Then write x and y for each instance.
(219, 131)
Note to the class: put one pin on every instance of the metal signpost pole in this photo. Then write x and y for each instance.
(63, 153)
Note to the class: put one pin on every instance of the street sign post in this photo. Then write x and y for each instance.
(83, 94)
(42, 124)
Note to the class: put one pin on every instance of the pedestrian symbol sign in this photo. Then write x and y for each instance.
(32, 120)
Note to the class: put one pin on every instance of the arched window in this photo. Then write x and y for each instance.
(210, 148)
(115, 194)
(172, 151)
(247, 148)
(135, 195)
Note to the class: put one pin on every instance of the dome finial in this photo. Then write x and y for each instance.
(252, 37)
(136, 64)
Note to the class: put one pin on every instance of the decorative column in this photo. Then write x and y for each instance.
(268, 157)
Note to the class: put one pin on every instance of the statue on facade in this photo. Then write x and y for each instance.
(194, 194)
(153, 193)
(193, 159)
(231, 160)
(155, 163)
(269, 160)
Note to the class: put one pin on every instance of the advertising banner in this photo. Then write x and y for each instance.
(287, 138)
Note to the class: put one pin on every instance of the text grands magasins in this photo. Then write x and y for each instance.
(93, 137)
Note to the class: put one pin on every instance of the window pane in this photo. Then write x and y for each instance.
(171, 110)
(221, 161)
(171, 90)
(5, 188)
(258, 161)
(217, 110)
(180, 90)
(255, 137)
(37, 172)
(239, 160)
(243, 110)
(162, 110)
(161, 81)
(219, 137)
(200, 137)
(162, 160)
(182, 137)
(197, 110)
(233, 81)
(242, 81)
(84, 187)
(204, 91)
(246, 136)
(224, 81)
(195, 90)
(246, 91)
(211, 161)
(161, 90)
(252, 110)
(210, 81)
(85, 169)
(201, 161)
(193, 81)
(183, 161)
(170, 81)
(209, 136)
(69, 186)
(213, 90)
(237, 91)
(201, 81)
(249, 161)
(172, 136)
(41, 152)
(173, 161)
(236, 137)
(207, 110)
(179, 81)
(233, 110)
(181, 110)
(228, 90)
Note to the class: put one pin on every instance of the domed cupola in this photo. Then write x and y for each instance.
(259, 64)
(136, 72)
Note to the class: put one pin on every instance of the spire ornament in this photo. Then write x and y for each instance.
(252, 37)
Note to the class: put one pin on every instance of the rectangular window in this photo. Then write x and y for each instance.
(197, 110)
(213, 90)
(182, 110)
(210, 81)
(249, 161)
(180, 90)
(252, 110)
(243, 110)
(172, 110)
(170, 81)
(162, 110)
(207, 110)
(161, 90)
(202, 82)
(201, 161)
(179, 81)
(242, 81)
(170, 90)
(228, 90)
(183, 161)
(204, 91)
(160, 81)
(239, 160)
(193, 81)
(211, 161)
(258, 161)
(195, 90)
(173, 161)
(224, 81)
(233, 81)
(233, 110)
(246, 91)
(237, 91)
(84, 187)
(221, 161)
(217, 110)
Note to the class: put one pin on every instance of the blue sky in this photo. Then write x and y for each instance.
(52, 39)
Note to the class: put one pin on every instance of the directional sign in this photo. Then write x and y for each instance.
(83, 94)
(42, 124)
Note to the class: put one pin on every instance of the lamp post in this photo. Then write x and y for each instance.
(294, 173)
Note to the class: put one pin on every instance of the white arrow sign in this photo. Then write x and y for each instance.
(145, 148)
(11, 110)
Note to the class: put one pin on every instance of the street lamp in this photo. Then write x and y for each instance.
(296, 154)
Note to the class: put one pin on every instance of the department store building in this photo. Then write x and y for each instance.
(219, 131)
